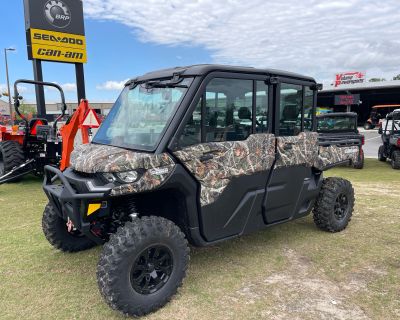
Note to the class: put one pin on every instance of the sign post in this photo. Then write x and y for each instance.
(55, 32)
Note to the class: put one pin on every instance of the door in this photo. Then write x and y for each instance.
(291, 187)
(227, 147)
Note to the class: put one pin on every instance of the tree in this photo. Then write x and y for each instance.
(376, 79)
(397, 77)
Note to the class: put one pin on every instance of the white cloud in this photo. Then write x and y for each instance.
(313, 37)
(68, 87)
(112, 85)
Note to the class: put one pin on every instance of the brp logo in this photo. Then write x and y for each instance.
(57, 13)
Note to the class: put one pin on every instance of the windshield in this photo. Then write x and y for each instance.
(336, 124)
(141, 114)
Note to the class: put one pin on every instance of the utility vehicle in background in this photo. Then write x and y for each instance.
(378, 113)
(390, 135)
(341, 125)
(198, 155)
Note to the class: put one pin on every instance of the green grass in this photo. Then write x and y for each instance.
(288, 271)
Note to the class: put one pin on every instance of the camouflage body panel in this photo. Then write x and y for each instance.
(91, 158)
(329, 155)
(297, 150)
(229, 159)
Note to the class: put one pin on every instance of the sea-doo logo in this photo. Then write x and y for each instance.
(57, 13)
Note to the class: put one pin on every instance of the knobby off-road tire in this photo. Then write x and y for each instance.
(360, 161)
(11, 155)
(381, 153)
(396, 159)
(139, 255)
(334, 206)
(56, 232)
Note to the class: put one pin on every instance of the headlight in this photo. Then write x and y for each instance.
(127, 176)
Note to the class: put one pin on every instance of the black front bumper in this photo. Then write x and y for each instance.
(68, 203)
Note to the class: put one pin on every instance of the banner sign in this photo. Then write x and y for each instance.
(55, 30)
(347, 99)
(346, 78)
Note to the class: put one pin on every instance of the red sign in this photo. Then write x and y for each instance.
(349, 78)
(347, 99)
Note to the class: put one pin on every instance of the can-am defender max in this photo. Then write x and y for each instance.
(196, 154)
(390, 135)
(341, 126)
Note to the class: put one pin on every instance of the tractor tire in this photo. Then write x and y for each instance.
(368, 126)
(396, 159)
(11, 155)
(142, 265)
(381, 153)
(360, 162)
(334, 206)
(56, 232)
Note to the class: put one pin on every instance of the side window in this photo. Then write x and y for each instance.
(291, 103)
(261, 107)
(308, 108)
(192, 132)
(228, 110)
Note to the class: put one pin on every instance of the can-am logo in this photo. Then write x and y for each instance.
(57, 13)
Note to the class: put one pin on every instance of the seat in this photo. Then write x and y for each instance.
(34, 122)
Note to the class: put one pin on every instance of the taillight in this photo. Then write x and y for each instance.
(362, 140)
(398, 142)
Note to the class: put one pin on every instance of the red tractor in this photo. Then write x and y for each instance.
(28, 148)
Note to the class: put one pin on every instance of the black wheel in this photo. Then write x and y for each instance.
(396, 159)
(367, 126)
(381, 153)
(142, 265)
(360, 161)
(56, 232)
(11, 155)
(334, 206)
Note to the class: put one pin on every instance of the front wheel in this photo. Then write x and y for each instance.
(396, 159)
(142, 265)
(381, 153)
(334, 206)
(56, 232)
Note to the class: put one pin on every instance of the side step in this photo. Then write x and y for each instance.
(18, 172)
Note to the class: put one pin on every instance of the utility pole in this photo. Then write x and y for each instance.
(8, 84)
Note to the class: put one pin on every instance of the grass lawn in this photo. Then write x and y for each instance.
(291, 271)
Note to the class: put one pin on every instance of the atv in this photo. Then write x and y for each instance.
(341, 126)
(198, 155)
(390, 135)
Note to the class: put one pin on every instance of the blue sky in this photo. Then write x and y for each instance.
(126, 38)
(114, 54)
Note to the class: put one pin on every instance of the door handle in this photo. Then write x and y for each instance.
(206, 157)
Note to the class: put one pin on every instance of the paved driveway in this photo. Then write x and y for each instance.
(372, 142)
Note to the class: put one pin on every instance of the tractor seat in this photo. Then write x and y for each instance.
(34, 122)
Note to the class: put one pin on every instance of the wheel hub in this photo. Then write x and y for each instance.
(151, 269)
(341, 206)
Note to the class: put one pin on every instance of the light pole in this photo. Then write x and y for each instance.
(8, 83)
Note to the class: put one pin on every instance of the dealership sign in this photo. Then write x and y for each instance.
(347, 99)
(55, 30)
(346, 78)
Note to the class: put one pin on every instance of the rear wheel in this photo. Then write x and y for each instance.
(360, 161)
(396, 159)
(334, 206)
(11, 155)
(56, 232)
(381, 153)
(142, 265)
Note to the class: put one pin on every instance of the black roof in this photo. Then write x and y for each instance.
(337, 114)
(203, 69)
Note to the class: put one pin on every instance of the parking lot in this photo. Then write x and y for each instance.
(372, 142)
